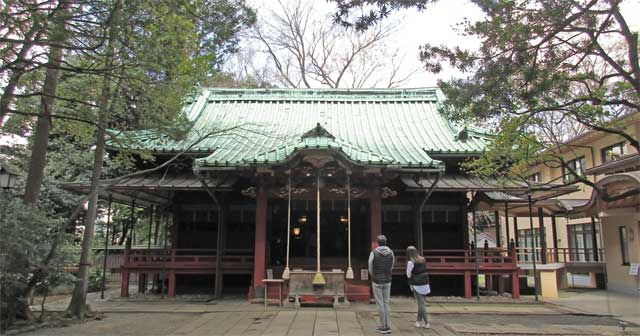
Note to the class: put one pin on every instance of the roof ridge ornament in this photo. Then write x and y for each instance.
(318, 132)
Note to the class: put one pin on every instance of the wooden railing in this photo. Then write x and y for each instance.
(493, 258)
(559, 255)
(187, 259)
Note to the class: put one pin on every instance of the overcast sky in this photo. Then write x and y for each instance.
(436, 25)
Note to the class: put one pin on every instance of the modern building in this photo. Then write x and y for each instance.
(279, 183)
(568, 252)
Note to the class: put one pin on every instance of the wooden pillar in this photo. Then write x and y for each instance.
(171, 291)
(506, 223)
(515, 285)
(498, 233)
(150, 225)
(376, 216)
(554, 232)
(174, 228)
(594, 239)
(260, 242)
(467, 285)
(543, 236)
(516, 234)
(417, 228)
(500, 284)
(220, 247)
(124, 284)
(464, 224)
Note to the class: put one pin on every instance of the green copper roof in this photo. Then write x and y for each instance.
(390, 127)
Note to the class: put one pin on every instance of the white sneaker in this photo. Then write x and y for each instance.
(426, 326)
(419, 324)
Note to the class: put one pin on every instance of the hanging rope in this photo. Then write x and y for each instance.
(285, 273)
(349, 274)
(318, 279)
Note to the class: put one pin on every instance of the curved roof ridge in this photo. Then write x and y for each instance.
(324, 141)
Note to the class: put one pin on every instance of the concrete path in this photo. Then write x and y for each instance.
(234, 316)
(600, 302)
(327, 321)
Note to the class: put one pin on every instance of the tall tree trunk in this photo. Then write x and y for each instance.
(78, 305)
(41, 135)
(41, 140)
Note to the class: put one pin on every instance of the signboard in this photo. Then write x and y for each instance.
(633, 269)
(364, 274)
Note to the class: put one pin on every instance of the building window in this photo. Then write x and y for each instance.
(612, 153)
(624, 245)
(535, 177)
(577, 165)
(525, 243)
(581, 241)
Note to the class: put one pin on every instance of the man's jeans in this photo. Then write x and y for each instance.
(381, 293)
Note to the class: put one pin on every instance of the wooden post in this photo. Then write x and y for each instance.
(533, 245)
(417, 228)
(500, 283)
(171, 291)
(554, 232)
(516, 234)
(376, 215)
(124, 284)
(150, 225)
(543, 236)
(498, 233)
(506, 222)
(515, 285)
(220, 246)
(476, 252)
(466, 240)
(467, 285)
(260, 242)
(594, 239)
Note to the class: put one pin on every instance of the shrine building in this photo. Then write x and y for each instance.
(298, 183)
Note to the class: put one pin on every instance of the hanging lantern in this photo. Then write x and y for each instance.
(344, 219)
(302, 219)
(296, 231)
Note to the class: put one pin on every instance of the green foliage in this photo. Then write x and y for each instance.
(369, 12)
(163, 49)
(95, 281)
(509, 155)
(545, 72)
(25, 237)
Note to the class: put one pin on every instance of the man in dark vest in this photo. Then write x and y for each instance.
(380, 266)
